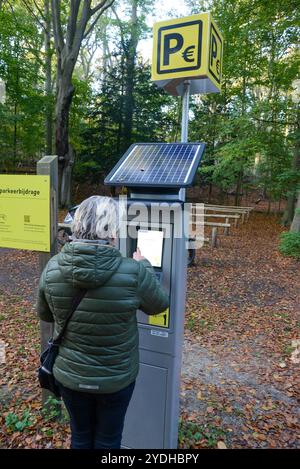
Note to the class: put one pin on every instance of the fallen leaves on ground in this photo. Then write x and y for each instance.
(240, 378)
(241, 354)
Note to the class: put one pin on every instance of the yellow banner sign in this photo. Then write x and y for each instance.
(25, 212)
(187, 48)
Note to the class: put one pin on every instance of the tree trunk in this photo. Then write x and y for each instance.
(65, 91)
(289, 212)
(209, 192)
(15, 137)
(105, 58)
(279, 204)
(238, 188)
(295, 226)
(67, 44)
(121, 111)
(48, 82)
(66, 182)
(129, 85)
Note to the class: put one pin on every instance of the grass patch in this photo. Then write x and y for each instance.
(54, 410)
(193, 434)
(14, 423)
(290, 244)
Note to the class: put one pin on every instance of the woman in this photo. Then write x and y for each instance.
(98, 360)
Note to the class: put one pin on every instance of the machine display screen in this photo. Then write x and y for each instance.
(150, 243)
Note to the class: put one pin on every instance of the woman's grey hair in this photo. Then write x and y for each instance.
(96, 218)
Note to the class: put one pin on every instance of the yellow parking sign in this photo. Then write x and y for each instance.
(161, 319)
(179, 47)
(215, 53)
(25, 212)
(187, 48)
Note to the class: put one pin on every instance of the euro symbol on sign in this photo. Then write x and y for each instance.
(188, 54)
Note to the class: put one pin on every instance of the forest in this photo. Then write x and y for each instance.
(77, 84)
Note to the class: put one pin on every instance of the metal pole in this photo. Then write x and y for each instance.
(185, 111)
(185, 121)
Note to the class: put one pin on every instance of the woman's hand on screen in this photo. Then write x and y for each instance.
(137, 255)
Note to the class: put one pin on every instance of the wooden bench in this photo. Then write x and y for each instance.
(226, 216)
(230, 206)
(243, 213)
(227, 212)
(214, 224)
(229, 209)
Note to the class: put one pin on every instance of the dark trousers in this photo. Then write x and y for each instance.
(97, 420)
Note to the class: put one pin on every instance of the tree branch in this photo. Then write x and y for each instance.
(97, 7)
(97, 18)
(85, 16)
(272, 121)
(13, 12)
(121, 30)
(31, 11)
(39, 10)
(72, 22)
(57, 29)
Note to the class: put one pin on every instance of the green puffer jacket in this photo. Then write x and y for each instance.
(99, 352)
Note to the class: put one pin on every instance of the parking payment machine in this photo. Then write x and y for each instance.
(155, 175)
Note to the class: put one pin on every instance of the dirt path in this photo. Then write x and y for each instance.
(19, 272)
(240, 386)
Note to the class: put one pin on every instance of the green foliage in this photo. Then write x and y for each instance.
(191, 322)
(290, 244)
(21, 129)
(87, 170)
(16, 424)
(250, 128)
(53, 410)
(190, 433)
(104, 140)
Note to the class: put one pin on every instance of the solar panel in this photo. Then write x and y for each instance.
(157, 165)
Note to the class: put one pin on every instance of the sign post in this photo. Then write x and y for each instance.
(185, 112)
(49, 166)
(187, 59)
(28, 217)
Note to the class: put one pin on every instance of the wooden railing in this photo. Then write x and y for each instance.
(219, 212)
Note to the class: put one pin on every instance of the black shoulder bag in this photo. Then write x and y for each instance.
(47, 358)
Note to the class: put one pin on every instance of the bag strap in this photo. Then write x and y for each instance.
(75, 303)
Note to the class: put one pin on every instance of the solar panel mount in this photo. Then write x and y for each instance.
(157, 165)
